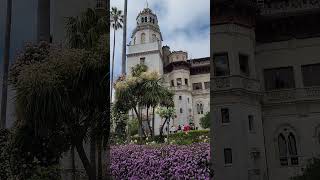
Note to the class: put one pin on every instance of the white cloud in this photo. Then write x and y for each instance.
(184, 25)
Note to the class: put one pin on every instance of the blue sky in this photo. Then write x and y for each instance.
(185, 25)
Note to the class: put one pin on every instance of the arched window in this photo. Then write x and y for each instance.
(154, 38)
(152, 21)
(293, 149)
(142, 19)
(143, 38)
(288, 152)
(283, 151)
(145, 19)
(200, 108)
(134, 40)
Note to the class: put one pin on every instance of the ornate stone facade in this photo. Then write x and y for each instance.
(187, 78)
(265, 99)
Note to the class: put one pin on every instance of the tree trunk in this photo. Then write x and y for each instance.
(112, 70)
(140, 124)
(73, 164)
(6, 57)
(161, 130)
(153, 118)
(93, 149)
(85, 161)
(99, 144)
(150, 129)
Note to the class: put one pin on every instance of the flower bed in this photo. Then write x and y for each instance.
(160, 162)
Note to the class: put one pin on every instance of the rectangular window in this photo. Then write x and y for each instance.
(197, 86)
(250, 121)
(244, 65)
(179, 81)
(225, 115)
(186, 82)
(227, 156)
(221, 64)
(181, 111)
(311, 75)
(142, 60)
(279, 78)
(206, 85)
(180, 97)
(172, 83)
(188, 100)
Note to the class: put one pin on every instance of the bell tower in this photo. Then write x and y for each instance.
(146, 43)
(237, 126)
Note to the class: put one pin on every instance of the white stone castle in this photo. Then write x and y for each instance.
(188, 78)
(265, 88)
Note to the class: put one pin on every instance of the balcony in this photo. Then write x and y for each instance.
(289, 95)
(235, 82)
(180, 88)
(200, 91)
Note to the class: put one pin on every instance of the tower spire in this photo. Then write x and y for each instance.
(147, 4)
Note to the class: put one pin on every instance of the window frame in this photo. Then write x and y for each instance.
(222, 117)
(246, 74)
(215, 64)
(251, 123)
(277, 88)
(194, 84)
(229, 158)
(303, 74)
(142, 60)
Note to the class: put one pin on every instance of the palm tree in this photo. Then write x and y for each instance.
(6, 65)
(116, 18)
(85, 30)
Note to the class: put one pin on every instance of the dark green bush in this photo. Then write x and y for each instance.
(312, 172)
(4, 155)
(181, 138)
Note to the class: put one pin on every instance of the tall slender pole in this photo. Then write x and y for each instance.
(124, 41)
(114, 46)
(6, 56)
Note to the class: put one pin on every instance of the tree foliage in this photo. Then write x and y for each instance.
(312, 171)
(57, 100)
(205, 121)
(142, 89)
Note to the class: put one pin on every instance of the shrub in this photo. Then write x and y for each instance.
(205, 121)
(182, 138)
(312, 172)
(46, 173)
(4, 155)
(162, 162)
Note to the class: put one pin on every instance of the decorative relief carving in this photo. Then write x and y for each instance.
(288, 6)
(221, 83)
(292, 94)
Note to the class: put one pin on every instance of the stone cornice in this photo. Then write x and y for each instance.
(143, 53)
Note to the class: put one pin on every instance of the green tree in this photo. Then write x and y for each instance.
(205, 121)
(142, 89)
(116, 19)
(55, 93)
(312, 171)
(85, 31)
(165, 113)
